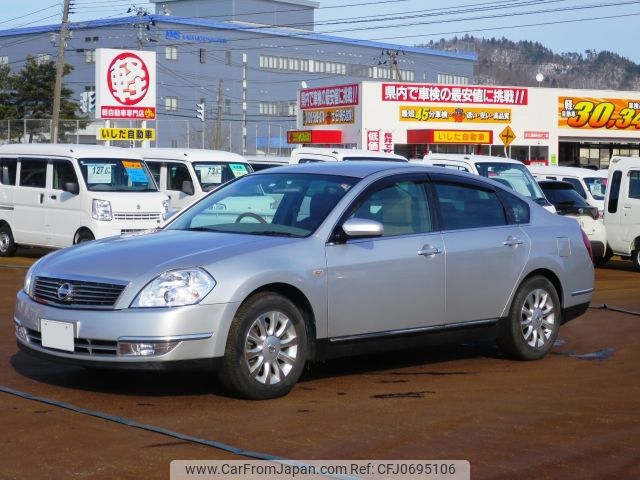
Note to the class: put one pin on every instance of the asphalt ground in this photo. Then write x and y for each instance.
(571, 415)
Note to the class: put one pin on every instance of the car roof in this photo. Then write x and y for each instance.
(68, 150)
(431, 156)
(567, 170)
(345, 152)
(362, 169)
(555, 185)
(190, 155)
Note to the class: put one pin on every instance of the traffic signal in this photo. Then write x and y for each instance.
(91, 101)
(200, 111)
(84, 102)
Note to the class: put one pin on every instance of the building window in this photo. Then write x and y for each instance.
(171, 103)
(171, 53)
(91, 39)
(449, 79)
(42, 58)
(227, 57)
(203, 55)
(278, 109)
(89, 56)
(227, 106)
(4, 60)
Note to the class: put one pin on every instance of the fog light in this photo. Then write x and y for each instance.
(21, 333)
(145, 349)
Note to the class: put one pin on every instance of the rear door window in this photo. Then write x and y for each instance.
(468, 206)
(8, 167)
(33, 173)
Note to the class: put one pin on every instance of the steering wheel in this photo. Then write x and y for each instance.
(250, 215)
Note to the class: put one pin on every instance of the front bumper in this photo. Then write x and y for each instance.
(199, 331)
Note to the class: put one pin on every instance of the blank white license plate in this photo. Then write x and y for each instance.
(57, 335)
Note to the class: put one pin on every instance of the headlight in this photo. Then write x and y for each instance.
(28, 279)
(101, 210)
(175, 288)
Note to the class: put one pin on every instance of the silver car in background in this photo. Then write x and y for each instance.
(308, 262)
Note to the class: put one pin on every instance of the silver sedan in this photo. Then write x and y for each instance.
(303, 263)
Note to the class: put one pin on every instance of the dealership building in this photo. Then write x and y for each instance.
(539, 125)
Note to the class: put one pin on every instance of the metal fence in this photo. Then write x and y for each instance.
(259, 138)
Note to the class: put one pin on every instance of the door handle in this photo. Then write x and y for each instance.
(53, 197)
(429, 251)
(41, 197)
(512, 242)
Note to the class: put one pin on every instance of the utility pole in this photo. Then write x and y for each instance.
(57, 89)
(218, 141)
(244, 103)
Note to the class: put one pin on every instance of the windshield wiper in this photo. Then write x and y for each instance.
(272, 233)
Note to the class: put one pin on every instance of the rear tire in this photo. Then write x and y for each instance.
(599, 262)
(266, 348)
(7, 244)
(534, 320)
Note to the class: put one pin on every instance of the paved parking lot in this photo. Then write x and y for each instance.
(571, 415)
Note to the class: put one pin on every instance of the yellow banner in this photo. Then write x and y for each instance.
(328, 116)
(593, 113)
(127, 134)
(411, 113)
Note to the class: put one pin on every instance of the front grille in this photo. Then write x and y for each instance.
(137, 216)
(84, 346)
(81, 293)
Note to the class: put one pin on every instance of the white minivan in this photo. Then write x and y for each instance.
(57, 195)
(590, 184)
(509, 172)
(323, 154)
(186, 174)
(622, 208)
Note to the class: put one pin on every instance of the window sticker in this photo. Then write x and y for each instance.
(135, 171)
(238, 169)
(210, 173)
(99, 173)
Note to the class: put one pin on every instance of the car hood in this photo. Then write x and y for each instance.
(128, 258)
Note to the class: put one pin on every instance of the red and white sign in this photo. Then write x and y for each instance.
(324, 97)
(537, 135)
(426, 93)
(125, 84)
(378, 140)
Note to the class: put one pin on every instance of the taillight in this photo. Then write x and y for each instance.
(587, 244)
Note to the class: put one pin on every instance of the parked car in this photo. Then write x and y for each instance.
(57, 195)
(186, 174)
(260, 162)
(622, 208)
(322, 154)
(512, 173)
(350, 257)
(590, 184)
(568, 202)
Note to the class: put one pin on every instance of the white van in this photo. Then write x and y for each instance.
(511, 173)
(319, 154)
(590, 184)
(54, 195)
(622, 208)
(187, 174)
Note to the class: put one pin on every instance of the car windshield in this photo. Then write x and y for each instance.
(564, 197)
(514, 176)
(213, 174)
(116, 175)
(597, 187)
(275, 204)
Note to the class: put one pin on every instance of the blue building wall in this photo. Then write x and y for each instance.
(210, 52)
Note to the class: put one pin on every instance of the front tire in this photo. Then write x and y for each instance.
(534, 320)
(7, 244)
(266, 348)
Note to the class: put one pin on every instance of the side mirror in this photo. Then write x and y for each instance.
(362, 227)
(187, 187)
(71, 187)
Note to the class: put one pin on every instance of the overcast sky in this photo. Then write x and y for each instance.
(561, 25)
